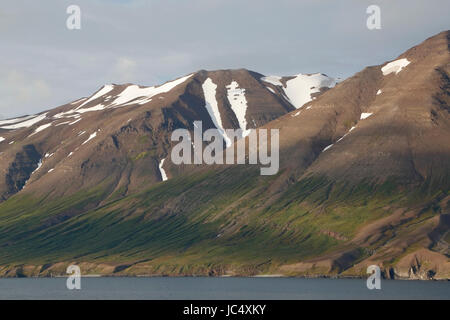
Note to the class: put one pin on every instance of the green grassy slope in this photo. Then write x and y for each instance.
(203, 223)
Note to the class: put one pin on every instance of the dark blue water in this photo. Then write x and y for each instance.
(220, 288)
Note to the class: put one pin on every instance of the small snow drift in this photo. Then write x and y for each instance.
(104, 90)
(92, 136)
(271, 90)
(351, 129)
(395, 66)
(365, 115)
(275, 80)
(40, 128)
(327, 147)
(162, 171)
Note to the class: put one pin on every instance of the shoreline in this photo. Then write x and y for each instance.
(275, 276)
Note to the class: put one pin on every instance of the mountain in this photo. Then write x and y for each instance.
(104, 137)
(363, 179)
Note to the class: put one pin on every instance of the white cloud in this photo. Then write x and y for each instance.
(150, 42)
(124, 70)
(19, 90)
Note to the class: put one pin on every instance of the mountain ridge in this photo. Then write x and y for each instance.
(359, 184)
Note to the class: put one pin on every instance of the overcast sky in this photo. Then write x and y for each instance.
(43, 64)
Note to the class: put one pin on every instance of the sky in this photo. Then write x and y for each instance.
(43, 64)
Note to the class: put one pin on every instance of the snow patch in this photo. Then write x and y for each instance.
(271, 90)
(133, 92)
(27, 123)
(395, 66)
(104, 90)
(238, 102)
(77, 101)
(275, 80)
(365, 115)
(71, 123)
(300, 89)
(61, 123)
(351, 129)
(2, 139)
(97, 107)
(92, 136)
(209, 91)
(40, 128)
(38, 166)
(15, 120)
(379, 92)
(162, 171)
(328, 147)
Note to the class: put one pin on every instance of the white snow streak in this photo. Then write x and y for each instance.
(15, 120)
(271, 90)
(133, 92)
(365, 115)
(328, 147)
(40, 128)
(351, 129)
(238, 102)
(104, 90)
(209, 91)
(27, 123)
(92, 136)
(2, 139)
(61, 123)
(79, 100)
(71, 123)
(395, 66)
(275, 80)
(38, 167)
(162, 171)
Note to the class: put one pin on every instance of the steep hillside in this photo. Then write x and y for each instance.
(120, 135)
(363, 179)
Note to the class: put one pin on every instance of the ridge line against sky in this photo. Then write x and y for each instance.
(45, 65)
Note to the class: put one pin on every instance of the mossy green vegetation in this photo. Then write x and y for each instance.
(199, 221)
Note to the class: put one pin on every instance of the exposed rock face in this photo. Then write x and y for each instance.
(20, 170)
